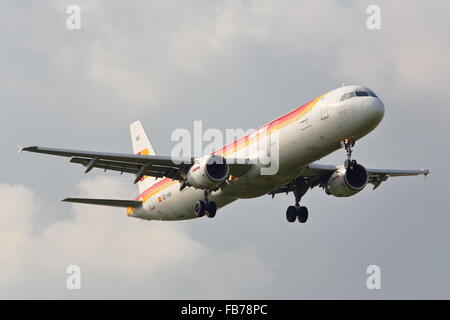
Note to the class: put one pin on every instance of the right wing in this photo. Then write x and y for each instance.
(316, 174)
(140, 165)
(321, 172)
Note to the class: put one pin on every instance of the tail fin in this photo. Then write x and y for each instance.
(141, 145)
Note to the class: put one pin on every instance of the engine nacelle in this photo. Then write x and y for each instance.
(347, 182)
(208, 172)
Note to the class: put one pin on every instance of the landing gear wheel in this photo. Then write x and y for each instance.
(199, 208)
(348, 144)
(211, 209)
(302, 214)
(291, 213)
(347, 164)
(350, 164)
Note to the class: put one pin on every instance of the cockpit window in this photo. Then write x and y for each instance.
(371, 93)
(359, 93)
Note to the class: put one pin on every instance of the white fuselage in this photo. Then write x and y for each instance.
(303, 137)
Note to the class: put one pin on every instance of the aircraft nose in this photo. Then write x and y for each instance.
(373, 108)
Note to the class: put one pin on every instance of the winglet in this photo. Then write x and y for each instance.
(29, 148)
(19, 150)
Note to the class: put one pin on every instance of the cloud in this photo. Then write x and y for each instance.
(407, 53)
(114, 252)
(17, 205)
(142, 62)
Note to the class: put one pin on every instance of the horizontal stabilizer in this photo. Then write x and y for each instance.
(106, 202)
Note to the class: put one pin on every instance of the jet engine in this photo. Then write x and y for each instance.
(208, 172)
(347, 182)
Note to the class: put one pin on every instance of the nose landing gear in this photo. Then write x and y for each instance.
(348, 144)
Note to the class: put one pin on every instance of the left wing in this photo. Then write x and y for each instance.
(316, 174)
(140, 165)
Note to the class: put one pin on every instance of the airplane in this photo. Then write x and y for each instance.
(181, 189)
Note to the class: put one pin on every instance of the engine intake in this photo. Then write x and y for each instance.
(347, 182)
(208, 172)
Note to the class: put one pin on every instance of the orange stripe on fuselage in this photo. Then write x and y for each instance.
(157, 187)
(152, 190)
(267, 129)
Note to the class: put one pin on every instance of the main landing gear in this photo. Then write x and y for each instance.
(348, 144)
(202, 207)
(297, 212)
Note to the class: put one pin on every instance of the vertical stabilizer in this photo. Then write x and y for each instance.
(142, 146)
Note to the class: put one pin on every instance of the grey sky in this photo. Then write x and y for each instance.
(232, 64)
